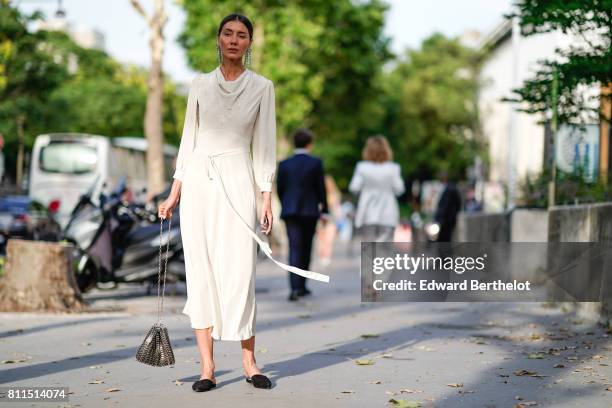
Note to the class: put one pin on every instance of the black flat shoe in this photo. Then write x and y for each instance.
(203, 385)
(293, 296)
(259, 381)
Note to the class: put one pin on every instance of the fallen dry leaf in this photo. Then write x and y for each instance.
(112, 389)
(456, 385)
(409, 391)
(364, 362)
(528, 373)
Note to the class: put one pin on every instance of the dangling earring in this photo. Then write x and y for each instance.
(219, 55)
(248, 57)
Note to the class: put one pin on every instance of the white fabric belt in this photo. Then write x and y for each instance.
(265, 247)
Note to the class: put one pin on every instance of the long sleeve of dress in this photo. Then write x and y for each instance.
(264, 140)
(190, 128)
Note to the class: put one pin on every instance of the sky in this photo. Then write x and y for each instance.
(408, 22)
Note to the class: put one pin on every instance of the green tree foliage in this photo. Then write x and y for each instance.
(28, 76)
(102, 96)
(429, 101)
(58, 86)
(586, 62)
(350, 55)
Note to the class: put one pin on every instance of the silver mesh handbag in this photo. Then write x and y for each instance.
(156, 349)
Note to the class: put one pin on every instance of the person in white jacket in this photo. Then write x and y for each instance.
(378, 181)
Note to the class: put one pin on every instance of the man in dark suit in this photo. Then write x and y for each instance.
(301, 188)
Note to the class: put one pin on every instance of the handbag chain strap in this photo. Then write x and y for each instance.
(160, 299)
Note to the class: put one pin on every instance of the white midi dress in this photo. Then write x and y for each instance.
(227, 147)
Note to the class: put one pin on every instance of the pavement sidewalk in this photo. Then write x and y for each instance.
(327, 349)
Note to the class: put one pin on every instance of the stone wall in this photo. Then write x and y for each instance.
(586, 223)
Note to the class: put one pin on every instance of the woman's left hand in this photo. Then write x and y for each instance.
(266, 214)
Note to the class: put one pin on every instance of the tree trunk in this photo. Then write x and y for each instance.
(156, 177)
(39, 277)
(154, 113)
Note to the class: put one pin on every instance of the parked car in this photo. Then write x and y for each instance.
(22, 217)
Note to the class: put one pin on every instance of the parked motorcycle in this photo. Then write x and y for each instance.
(118, 241)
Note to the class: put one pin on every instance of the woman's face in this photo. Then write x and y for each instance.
(234, 40)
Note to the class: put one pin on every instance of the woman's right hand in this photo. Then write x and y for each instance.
(166, 207)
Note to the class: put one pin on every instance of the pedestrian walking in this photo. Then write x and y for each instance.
(301, 190)
(230, 111)
(377, 180)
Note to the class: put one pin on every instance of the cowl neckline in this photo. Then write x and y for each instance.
(234, 87)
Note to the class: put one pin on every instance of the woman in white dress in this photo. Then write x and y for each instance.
(229, 111)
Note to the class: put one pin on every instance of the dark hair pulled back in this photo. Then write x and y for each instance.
(237, 17)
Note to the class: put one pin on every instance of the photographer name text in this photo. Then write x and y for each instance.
(433, 285)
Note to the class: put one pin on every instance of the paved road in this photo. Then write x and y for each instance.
(435, 354)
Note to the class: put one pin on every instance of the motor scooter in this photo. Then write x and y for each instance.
(118, 241)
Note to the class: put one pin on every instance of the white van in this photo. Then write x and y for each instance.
(65, 165)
